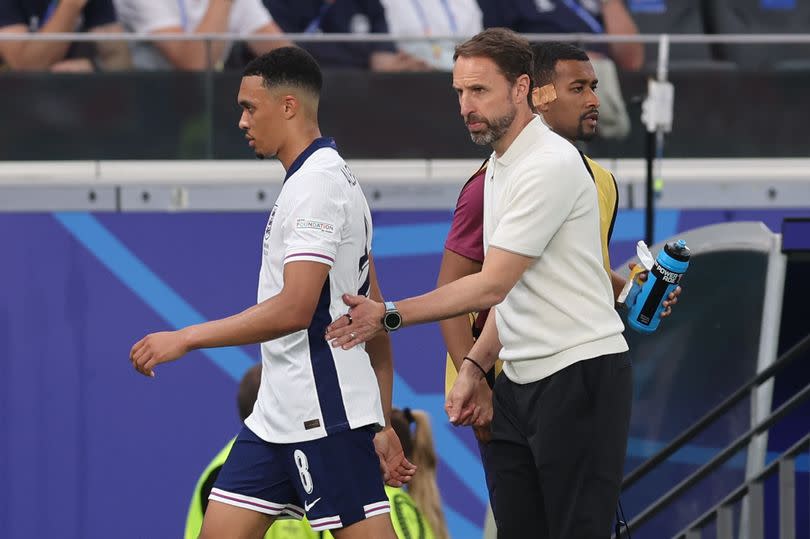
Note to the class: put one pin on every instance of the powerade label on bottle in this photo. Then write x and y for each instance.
(666, 271)
(663, 278)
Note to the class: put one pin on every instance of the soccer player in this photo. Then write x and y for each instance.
(309, 444)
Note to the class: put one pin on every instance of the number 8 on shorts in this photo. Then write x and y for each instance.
(302, 464)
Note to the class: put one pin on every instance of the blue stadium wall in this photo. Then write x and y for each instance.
(90, 449)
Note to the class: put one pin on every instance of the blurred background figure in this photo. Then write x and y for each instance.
(60, 16)
(585, 17)
(416, 512)
(244, 17)
(428, 18)
(570, 16)
(422, 499)
(344, 17)
(245, 399)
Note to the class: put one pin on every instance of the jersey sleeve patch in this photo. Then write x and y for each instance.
(303, 223)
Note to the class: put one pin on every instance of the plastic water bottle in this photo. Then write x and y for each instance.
(666, 273)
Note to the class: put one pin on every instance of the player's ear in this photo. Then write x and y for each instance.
(290, 106)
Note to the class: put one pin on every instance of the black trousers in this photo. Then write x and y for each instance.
(558, 448)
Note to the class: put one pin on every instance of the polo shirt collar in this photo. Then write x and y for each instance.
(525, 140)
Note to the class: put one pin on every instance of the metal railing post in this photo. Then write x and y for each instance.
(787, 498)
(756, 511)
(725, 522)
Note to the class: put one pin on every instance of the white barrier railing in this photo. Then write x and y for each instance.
(231, 185)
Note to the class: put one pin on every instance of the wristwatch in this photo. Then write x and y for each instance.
(391, 320)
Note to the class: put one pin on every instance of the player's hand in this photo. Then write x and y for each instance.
(157, 348)
(461, 406)
(397, 470)
(362, 324)
(671, 300)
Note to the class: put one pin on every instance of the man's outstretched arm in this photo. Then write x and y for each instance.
(501, 270)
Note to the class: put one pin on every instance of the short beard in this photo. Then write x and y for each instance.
(495, 129)
(586, 137)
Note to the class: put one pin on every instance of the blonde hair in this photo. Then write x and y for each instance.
(423, 487)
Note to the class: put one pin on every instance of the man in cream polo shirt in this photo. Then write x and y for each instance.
(540, 202)
(562, 410)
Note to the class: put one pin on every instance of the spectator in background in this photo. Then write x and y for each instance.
(339, 17)
(570, 16)
(427, 18)
(244, 17)
(581, 16)
(57, 16)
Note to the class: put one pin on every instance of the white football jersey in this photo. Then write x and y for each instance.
(309, 389)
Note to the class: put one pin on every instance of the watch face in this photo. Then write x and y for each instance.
(392, 321)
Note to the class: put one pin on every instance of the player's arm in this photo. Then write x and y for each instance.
(397, 470)
(379, 351)
(456, 331)
(289, 311)
(38, 55)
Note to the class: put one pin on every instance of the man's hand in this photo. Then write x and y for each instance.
(481, 405)
(157, 348)
(362, 324)
(669, 302)
(396, 469)
(462, 404)
(483, 400)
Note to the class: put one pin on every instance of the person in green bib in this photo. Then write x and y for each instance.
(416, 513)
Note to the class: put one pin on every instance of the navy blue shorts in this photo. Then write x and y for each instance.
(335, 480)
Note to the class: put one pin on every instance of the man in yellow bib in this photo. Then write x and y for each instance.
(565, 95)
